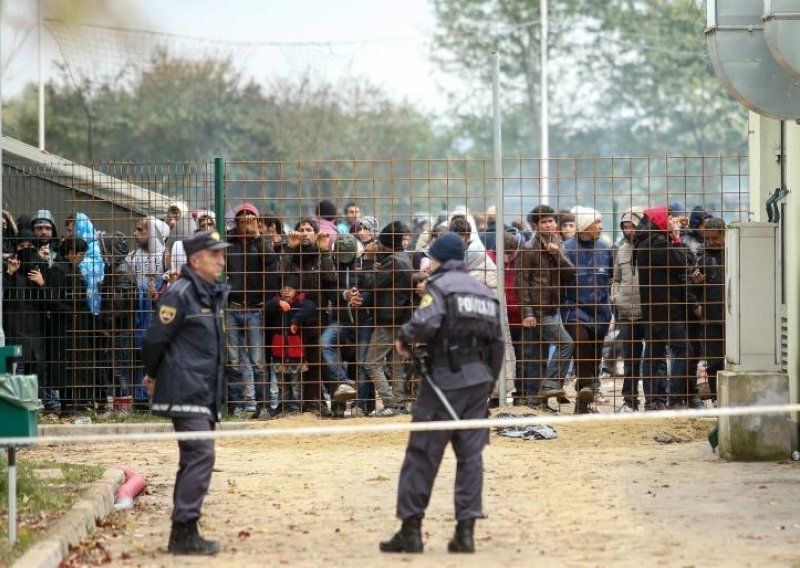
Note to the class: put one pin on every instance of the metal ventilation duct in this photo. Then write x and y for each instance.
(743, 62)
(782, 32)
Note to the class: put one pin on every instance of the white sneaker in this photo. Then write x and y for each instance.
(344, 393)
(383, 412)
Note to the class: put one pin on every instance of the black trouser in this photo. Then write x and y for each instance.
(714, 335)
(632, 335)
(588, 340)
(194, 470)
(425, 450)
(311, 380)
(695, 332)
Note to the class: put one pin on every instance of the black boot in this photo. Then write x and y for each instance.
(407, 539)
(463, 540)
(184, 539)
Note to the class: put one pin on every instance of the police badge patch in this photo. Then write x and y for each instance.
(166, 314)
(426, 301)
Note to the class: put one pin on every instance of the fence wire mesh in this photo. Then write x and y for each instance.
(80, 310)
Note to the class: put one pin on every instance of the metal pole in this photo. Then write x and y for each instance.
(12, 495)
(219, 194)
(497, 141)
(12, 451)
(2, 205)
(545, 129)
(41, 76)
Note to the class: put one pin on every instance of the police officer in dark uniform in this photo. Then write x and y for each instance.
(183, 355)
(459, 319)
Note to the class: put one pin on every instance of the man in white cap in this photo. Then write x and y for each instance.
(586, 307)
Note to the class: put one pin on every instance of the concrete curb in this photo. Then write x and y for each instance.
(95, 503)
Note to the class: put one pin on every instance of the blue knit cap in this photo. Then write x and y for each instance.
(448, 246)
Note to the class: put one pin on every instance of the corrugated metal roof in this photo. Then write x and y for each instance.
(86, 180)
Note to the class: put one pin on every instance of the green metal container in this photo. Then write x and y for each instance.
(19, 406)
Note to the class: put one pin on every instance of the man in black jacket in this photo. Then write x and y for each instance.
(25, 312)
(308, 254)
(251, 268)
(391, 302)
(184, 360)
(709, 295)
(663, 285)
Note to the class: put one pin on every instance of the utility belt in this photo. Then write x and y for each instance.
(455, 359)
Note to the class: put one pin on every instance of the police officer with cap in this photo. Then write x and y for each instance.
(184, 361)
(459, 319)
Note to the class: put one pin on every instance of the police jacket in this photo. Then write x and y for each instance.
(184, 348)
(459, 319)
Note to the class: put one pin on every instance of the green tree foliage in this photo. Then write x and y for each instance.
(181, 110)
(626, 76)
(350, 120)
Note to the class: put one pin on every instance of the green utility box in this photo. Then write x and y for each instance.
(19, 406)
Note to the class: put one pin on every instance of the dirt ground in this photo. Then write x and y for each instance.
(598, 495)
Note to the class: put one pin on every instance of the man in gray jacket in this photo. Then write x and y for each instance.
(627, 306)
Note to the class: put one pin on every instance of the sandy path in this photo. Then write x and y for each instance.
(599, 495)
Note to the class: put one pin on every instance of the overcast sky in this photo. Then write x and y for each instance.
(388, 42)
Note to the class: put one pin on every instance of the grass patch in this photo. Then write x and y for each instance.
(39, 501)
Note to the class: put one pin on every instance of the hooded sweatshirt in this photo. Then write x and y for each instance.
(692, 238)
(149, 262)
(480, 266)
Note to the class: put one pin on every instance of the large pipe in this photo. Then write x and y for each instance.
(41, 76)
(133, 485)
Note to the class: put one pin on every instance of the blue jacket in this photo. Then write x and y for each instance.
(587, 294)
(184, 348)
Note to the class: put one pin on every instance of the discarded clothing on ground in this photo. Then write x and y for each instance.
(530, 432)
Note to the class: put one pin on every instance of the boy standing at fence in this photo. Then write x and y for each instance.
(287, 314)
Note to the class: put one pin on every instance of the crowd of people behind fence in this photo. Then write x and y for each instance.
(313, 311)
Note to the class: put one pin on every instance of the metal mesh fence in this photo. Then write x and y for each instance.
(80, 315)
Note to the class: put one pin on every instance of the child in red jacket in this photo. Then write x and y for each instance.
(287, 313)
